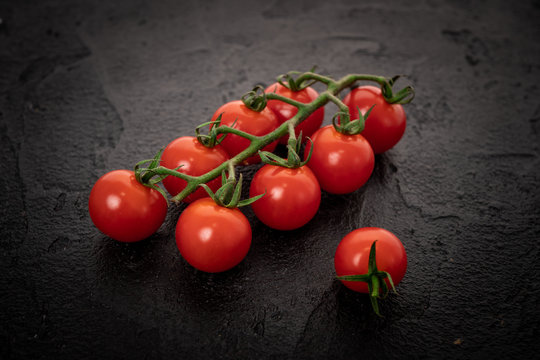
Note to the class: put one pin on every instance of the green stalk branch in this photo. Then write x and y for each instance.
(231, 130)
(274, 96)
(314, 76)
(342, 107)
(292, 134)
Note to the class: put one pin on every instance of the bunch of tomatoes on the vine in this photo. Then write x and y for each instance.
(212, 234)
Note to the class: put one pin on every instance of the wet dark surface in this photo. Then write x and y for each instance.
(87, 87)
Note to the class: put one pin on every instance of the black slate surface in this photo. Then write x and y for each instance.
(90, 86)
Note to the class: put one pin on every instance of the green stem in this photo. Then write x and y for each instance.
(292, 134)
(342, 107)
(343, 113)
(349, 80)
(231, 130)
(232, 174)
(314, 76)
(274, 96)
(160, 170)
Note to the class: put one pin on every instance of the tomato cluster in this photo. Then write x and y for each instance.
(212, 234)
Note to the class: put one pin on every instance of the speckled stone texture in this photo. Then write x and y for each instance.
(91, 86)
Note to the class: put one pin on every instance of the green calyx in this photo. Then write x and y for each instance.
(210, 140)
(148, 175)
(342, 123)
(293, 160)
(375, 280)
(229, 194)
(403, 96)
(294, 147)
(255, 99)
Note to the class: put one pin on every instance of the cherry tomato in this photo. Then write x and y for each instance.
(352, 256)
(212, 238)
(385, 124)
(196, 159)
(286, 111)
(341, 163)
(249, 121)
(292, 196)
(124, 209)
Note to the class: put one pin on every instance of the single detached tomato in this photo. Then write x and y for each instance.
(342, 163)
(352, 256)
(385, 124)
(286, 111)
(247, 120)
(292, 196)
(124, 209)
(212, 238)
(196, 159)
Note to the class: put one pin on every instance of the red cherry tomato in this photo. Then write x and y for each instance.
(249, 121)
(286, 111)
(341, 163)
(124, 209)
(196, 159)
(212, 238)
(352, 256)
(385, 124)
(292, 196)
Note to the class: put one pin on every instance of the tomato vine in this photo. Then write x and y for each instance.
(149, 172)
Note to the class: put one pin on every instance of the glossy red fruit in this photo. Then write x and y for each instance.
(286, 111)
(124, 209)
(341, 163)
(385, 124)
(212, 238)
(196, 159)
(252, 122)
(292, 196)
(352, 256)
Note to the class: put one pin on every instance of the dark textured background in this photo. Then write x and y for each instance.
(87, 87)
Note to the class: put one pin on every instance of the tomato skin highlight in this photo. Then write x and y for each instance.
(249, 121)
(196, 159)
(385, 124)
(341, 163)
(124, 209)
(292, 196)
(352, 256)
(286, 111)
(212, 238)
